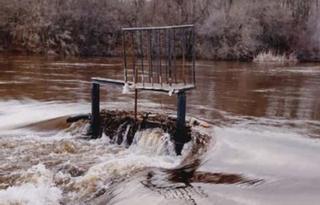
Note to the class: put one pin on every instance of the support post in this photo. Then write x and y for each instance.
(95, 111)
(135, 104)
(181, 112)
(180, 135)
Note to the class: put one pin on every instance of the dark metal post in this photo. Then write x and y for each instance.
(95, 111)
(181, 112)
(180, 135)
(135, 104)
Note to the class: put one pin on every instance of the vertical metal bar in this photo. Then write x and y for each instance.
(95, 111)
(124, 56)
(150, 57)
(160, 56)
(134, 75)
(188, 57)
(174, 56)
(157, 54)
(135, 104)
(142, 55)
(167, 51)
(193, 56)
(183, 56)
(170, 56)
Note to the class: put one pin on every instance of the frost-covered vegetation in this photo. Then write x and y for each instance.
(226, 29)
(270, 57)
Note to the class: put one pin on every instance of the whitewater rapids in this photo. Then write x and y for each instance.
(67, 169)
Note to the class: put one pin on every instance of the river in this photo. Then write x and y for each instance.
(264, 124)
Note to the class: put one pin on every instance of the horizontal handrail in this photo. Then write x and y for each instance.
(158, 28)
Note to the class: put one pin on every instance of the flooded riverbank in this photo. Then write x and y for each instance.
(264, 124)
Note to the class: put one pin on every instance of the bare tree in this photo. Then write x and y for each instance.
(226, 29)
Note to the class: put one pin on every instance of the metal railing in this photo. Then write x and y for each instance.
(159, 56)
(157, 59)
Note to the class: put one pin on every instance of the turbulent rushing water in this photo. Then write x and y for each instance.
(265, 132)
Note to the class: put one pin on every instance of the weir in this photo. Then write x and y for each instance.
(156, 59)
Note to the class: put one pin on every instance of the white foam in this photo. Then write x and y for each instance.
(16, 113)
(265, 152)
(38, 191)
(153, 142)
(150, 148)
(126, 89)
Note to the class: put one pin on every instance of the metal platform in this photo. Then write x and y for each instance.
(173, 88)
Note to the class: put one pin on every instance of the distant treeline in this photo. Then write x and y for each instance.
(225, 29)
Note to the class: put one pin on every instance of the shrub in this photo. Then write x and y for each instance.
(225, 29)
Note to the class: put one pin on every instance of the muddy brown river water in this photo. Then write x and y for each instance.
(264, 124)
